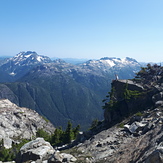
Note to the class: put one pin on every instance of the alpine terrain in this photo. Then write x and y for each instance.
(61, 91)
(131, 131)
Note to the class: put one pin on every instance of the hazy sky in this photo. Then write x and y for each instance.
(83, 28)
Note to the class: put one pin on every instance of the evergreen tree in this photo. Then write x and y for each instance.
(69, 134)
(76, 131)
(43, 134)
(57, 137)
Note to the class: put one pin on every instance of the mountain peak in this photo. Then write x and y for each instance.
(108, 62)
(130, 59)
(31, 56)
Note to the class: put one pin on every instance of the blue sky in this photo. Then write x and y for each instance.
(83, 28)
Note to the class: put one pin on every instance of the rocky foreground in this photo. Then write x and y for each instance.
(137, 139)
(17, 123)
(132, 131)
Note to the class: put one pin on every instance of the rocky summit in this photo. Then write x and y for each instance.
(18, 123)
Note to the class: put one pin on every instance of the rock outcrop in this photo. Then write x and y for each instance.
(38, 151)
(127, 98)
(18, 123)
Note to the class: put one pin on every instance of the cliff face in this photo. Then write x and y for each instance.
(127, 98)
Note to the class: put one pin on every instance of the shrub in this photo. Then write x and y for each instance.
(43, 134)
(10, 154)
(138, 114)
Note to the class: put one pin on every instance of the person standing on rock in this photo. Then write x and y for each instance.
(116, 77)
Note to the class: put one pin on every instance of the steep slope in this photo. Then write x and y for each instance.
(138, 139)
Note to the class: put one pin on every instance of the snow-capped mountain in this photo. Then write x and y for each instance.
(112, 62)
(29, 58)
(125, 68)
(17, 66)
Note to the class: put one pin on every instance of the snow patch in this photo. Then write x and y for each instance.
(39, 58)
(124, 60)
(117, 60)
(111, 63)
(12, 73)
(26, 56)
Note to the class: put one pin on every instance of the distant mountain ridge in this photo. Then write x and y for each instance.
(17, 66)
(61, 91)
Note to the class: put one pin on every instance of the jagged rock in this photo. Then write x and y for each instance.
(157, 97)
(40, 151)
(147, 127)
(7, 143)
(58, 157)
(20, 123)
(135, 127)
(135, 118)
(80, 137)
(124, 106)
(68, 158)
(156, 156)
(159, 103)
(117, 145)
(36, 150)
(55, 158)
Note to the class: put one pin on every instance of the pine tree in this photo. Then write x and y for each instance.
(57, 137)
(69, 134)
(76, 131)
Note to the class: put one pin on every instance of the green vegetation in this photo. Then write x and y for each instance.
(45, 119)
(95, 123)
(131, 98)
(109, 101)
(59, 136)
(10, 154)
(43, 134)
(121, 125)
(129, 94)
(6, 154)
(64, 137)
(139, 114)
(149, 75)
